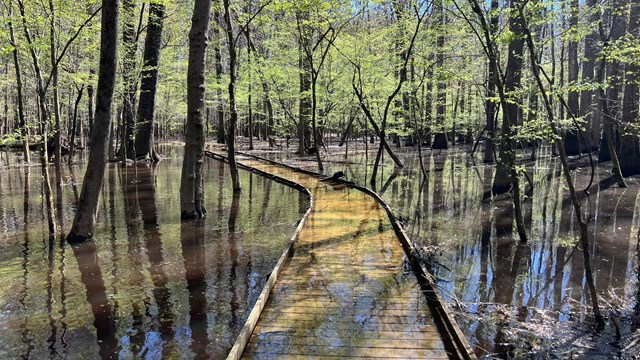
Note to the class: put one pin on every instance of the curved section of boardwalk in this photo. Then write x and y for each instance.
(346, 290)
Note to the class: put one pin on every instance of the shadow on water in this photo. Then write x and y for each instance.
(147, 286)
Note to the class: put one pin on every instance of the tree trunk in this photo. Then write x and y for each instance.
(589, 108)
(20, 99)
(490, 102)
(90, 111)
(129, 48)
(218, 60)
(233, 118)
(571, 140)
(504, 177)
(85, 219)
(629, 142)
(191, 186)
(440, 140)
(149, 83)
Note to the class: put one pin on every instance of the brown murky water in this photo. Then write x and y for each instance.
(148, 286)
(478, 257)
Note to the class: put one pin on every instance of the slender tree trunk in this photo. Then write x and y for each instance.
(149, 83)
(589, 108)
(129, 49)
(233, 118)
(20, 99)
(85, 219)
(218, 59)
(571, 140)
(304, 105)
(74, 125)
(490, 102)
(440, 140)
(191, 186)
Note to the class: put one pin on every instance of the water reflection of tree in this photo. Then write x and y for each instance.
(192, 239)
(91, 276)
(146, 198)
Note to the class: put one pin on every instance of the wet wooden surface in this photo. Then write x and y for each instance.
(346, 291)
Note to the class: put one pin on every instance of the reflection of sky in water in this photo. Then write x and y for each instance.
(140, 253)
(447, 211)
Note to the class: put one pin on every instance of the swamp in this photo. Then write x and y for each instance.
(267, 179)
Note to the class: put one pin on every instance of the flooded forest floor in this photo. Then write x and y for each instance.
(151, 286)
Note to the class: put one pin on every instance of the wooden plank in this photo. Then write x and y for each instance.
(368, 339)
(373, 352)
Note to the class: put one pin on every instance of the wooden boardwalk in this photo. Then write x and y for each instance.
(345, 289)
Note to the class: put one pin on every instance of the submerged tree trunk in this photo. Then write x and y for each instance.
(149, 83)
(20, 99)
(191, 186)
(440, 140)
(85, 219)
(505, 173)
(584, 234)
(129, 48)
(233, 118)
(490, 102)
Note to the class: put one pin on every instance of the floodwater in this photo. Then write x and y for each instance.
(148, 286)
(502, 290)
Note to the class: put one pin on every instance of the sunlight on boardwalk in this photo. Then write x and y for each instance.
(345, 292)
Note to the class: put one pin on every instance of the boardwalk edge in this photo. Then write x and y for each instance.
(245, 334)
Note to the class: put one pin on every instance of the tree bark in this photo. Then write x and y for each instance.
(589, 108)
(85, 218)
(233, 118)
(505, 171)
(20, 99)
(571, 140)
(191, 186)
(490, 102)
(218, 59)
(440, 140)
(149, 83)
(129, 47)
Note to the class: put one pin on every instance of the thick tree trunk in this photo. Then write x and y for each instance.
(191, 186)
(505, 171)
(90, 110)
(149, 83)
(85, 219)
